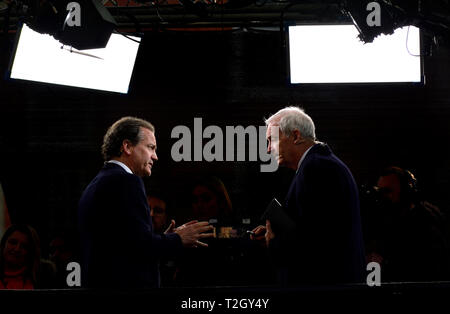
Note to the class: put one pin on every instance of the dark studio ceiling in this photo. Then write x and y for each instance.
(240, 13)
(431, 16)
(203, 14)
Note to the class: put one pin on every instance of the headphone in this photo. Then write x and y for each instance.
(408, 182)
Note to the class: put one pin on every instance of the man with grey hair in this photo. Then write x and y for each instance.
(326, 244)
(119, 247)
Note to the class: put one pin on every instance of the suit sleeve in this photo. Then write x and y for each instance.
(137, 227)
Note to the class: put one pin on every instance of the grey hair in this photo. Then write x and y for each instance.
(291, 118)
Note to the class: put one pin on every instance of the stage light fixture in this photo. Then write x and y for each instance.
(41, 58)
(372, 18)
(333, 54)
(82, 24)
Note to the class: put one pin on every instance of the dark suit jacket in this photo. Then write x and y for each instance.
(326, 246)
(119, 248)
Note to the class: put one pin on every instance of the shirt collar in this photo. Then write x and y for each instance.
(303, 157)
(125, 167)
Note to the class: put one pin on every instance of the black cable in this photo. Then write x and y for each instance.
(156, 4)
(282, 30)
(282, 14)
(125, 35)
(407, 48)
(221, 15)
(134, 20)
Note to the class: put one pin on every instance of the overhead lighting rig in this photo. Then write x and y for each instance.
(431, 16)
(82, 24)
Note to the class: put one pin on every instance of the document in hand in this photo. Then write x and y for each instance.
(279, 220)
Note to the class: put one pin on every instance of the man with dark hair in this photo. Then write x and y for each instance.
(118, 244)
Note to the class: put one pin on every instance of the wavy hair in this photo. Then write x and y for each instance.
(33, 258)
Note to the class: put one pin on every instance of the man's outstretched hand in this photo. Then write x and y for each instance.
(192, 232)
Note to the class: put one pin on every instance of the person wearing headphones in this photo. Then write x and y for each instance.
(412, 245)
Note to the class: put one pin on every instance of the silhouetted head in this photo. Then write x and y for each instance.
(210, 199)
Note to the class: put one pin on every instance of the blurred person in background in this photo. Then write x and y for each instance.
(21, 266)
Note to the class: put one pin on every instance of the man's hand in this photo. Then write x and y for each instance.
(191, 232)
(269, 233)
(263, 233)
(258, 233)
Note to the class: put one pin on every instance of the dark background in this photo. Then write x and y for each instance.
(50, 136)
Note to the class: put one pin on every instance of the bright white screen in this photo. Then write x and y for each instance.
(40, 58)
(334, 54)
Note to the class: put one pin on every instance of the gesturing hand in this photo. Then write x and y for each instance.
(258, 233)
(191, 232)
(262, 233)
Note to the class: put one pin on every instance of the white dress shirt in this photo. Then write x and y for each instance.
(303, 157)
(125, 167)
